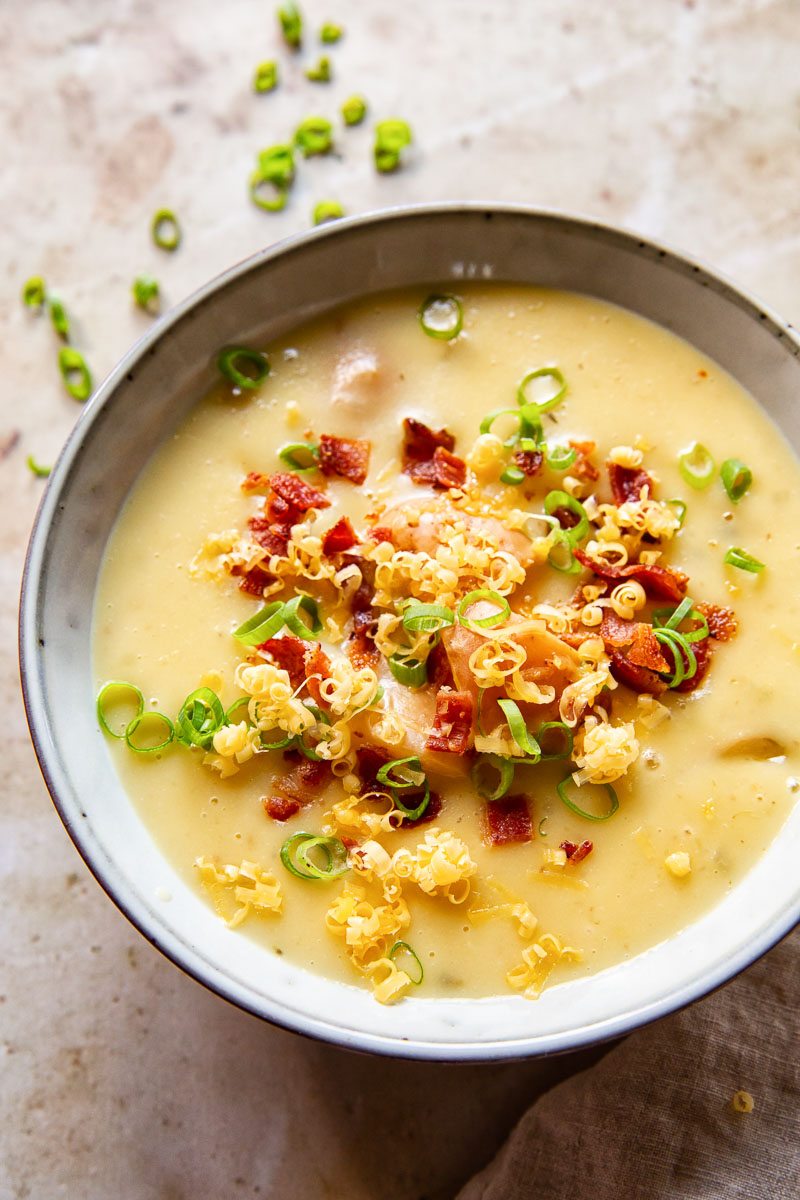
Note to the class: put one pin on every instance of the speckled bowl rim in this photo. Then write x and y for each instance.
(120, 890)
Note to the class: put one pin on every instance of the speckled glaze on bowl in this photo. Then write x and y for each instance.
(139, 405)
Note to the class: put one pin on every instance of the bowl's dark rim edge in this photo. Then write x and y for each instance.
(181, 953)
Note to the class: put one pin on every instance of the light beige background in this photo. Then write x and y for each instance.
(121, 1077)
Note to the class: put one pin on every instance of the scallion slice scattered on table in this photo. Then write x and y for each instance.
(166, 229)
(291, 23)
(33, 293)
(354, 109)
(147, 293)
(327, 210)
(265, 78)
(75, 373)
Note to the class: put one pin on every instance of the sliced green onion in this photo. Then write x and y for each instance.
(418, 780)
(737, 557)
(523, 429)
(33, 293)
(391, 137)
(166, 230)
(736, 478)
(262, 625)
(283, 742)
(564, 731)
(320, 72)
(559, 458)
(561, 558)
(681, 507)
(683, 657)
(266, 193)
(300, 456)
(479, 714)
(406, 949)
(322, 718)
(291, 23)
(266, 76)
(146, 293)
(427, 618)
(327, 210)
(505, 770)
(441, 316)
(293, 620)
(330, 33)
(576, 533)
(230, 715)
(408, 671)
(276, 164)
(116, 685)
(540, 829)
(519, 732)
(36, 469)
(143, 719)
(697, 466)
(244, 368)
(295, 856)
(200, 716)
(552, 397)
(58, 315)
(512, 475)
(75, 373)
(314, 136)
(354, 110)
(581, 812)
(668, 618)
(484, 622)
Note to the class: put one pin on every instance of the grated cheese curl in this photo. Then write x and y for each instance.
(606, 753)
(249, 886)
(441, 867)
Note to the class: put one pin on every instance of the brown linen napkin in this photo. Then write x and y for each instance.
(655, 1117)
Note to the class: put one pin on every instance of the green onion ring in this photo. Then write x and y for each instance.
(575, 533)
(36, 468)
(513, 475)
(684, 612)
(736, 478)
(737, 557)
(200, 717)
(291, 23)
(384, 777)
(484, 622)
(565, 732)
(33, 293)
(139, 720)
(262, 625)
(320, 72)
(354, 109)
(543, 373)
(112, 685)
(443, 305)
(330, 33)
(541, 832)
(289, 453)
(166, 230)
(295, 851)
(562, 792)
(230, 718)
(145, 291)
(314, 135)
(322, 718)
(265, 78)
(684, 661)
(697, 466)
(75, 373)
(682, 507)
(405, 946)
(58, 315)
(391, 137)
(559, 458)
(276, 164)
(232, 358)
(530, 423)
(283, 742)
(408, 671)
(428, 618)
(292, 619)
(519, 731)
(272, 197)
(505, 768)
(327, 210)
(570, 565)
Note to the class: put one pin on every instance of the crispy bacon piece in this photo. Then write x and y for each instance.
(444, 470)
(508, 820)
(340, 537)
(280, 808)
(638, 679)
(254, 581)
(288, 653)
(528, 461)
(420, 442)
(583, 467)
(722, 623)
(616, 631)
(452, 724)
(627, 482)
(440, 673)
(295, 491)
(369, 760)
(576, 854)
(273, 537)
(660, 582)
(361, 649)
(430, 814)
(702, 652)
(297, 787)
(317, 668)
(347, 457)
(645, 650)
(255, 481)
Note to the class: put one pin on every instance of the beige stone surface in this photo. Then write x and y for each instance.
(121, 1077)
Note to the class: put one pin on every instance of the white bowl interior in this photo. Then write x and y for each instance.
(137, 407)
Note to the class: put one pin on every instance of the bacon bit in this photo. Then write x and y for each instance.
(361, 649)
(280, 808)
(528, 461)
(638, 679)
(253, 581)
(340, 537)
(317, 663)
(288, 653)
(274, 538)
(420, 442)
(627, 482)
(645, 649)
(369, 760)
(576, 854)
(255, 481)
(280, 511)
(440, 673)
(295, 491)
(430, 814)
(660, 582)
(444, 470)
(566, 518)
(583, 468)
(508, 820)
(452, 724)
(381, 533)
(722, 622)
(615, 631)
(702, 652)
(349, 843)
(347, 457)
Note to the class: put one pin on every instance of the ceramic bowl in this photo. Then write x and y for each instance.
(132, 413)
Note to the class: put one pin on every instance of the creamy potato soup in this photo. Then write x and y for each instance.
(472, 627)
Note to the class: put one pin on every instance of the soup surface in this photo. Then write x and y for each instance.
(503, 854)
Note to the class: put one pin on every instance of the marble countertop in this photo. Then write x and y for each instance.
(121, 1076)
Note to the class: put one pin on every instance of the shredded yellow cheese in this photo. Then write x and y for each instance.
(249, 887)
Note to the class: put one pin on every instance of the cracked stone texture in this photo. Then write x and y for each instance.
(122, 1077)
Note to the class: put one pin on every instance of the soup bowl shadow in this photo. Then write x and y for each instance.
(142, 402)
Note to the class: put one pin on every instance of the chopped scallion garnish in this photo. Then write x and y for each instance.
(36, 469)
(529, 427)
(243, 367)
(146, 293)
(291, 23)
(512, 475)
(736, 478)
(292, 619)
(559, 458)
(320, 72)
(681, 506)
(564, 731)
(412, 778)
(105, 699)
(581, 812)
(166, 229)
(683, 657)
(483, 594)
(296, 856)
(737, 557)
(354, 110)
(314, 136)
(697, 466)
(391, 137)
(560, 556)
(58, 315)
(262, 625)
(519, 731)
(327, 210)
(142, 724)
(552, 393)
(266, 76)
(300, 456)
(557, 500)
(330, 33)
(33, 293)
(668, 618)
(427, 618)
(441, 316)
(505, 770)
(403, 947)
(75, 373)
(200, 717)
(408, 671)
